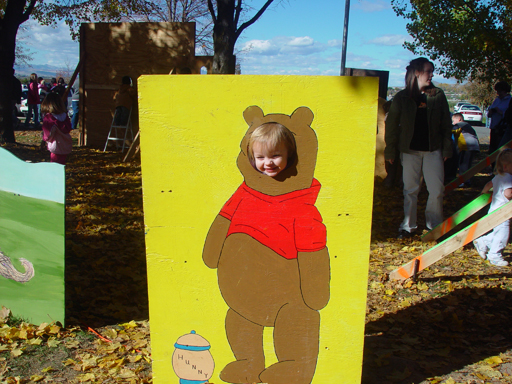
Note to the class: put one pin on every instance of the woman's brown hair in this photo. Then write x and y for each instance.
(411, 81)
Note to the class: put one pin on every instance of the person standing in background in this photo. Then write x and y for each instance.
(124, 99)
(496, 112)
(75, 104)
(420, 127)
(33, 101)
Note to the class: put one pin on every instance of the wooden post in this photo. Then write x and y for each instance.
(134, 148)
(73, 78)
(465, 236)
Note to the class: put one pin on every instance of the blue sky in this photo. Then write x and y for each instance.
(295, 37)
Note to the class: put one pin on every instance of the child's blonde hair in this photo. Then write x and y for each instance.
(53, 103)
(504, 157)
(271, 135)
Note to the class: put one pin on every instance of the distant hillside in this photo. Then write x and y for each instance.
(454, 92)
(43, 70)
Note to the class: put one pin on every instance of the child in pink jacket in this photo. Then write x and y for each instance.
(56, 128)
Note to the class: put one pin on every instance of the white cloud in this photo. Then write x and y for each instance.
(396, 64)
(305, 56)
(389, 40)
(287, 65)
(359, 58)
(261, 47)
(336, 43)
(305, 41)
(372, 6)
(52, 46)
(284, 45)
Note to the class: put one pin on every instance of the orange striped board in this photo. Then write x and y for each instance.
(458, 240)
(458, 217)
(475, 169)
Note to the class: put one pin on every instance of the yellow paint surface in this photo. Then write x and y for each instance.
(191, 128)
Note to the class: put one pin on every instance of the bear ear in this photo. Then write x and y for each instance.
(303, 114)
(251, 113)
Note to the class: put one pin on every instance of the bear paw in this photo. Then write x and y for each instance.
(242, 371)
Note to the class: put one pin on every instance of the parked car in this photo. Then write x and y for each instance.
(24, 107)
(457, 106)
(19, 112)
(471, 113)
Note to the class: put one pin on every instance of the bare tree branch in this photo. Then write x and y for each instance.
(212, 11)
(253, 20)
(29, 10)
(238, 11)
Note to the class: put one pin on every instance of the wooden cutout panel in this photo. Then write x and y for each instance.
(190, 150)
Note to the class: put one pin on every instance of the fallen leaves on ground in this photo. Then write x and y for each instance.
(50, 353)
(451, 325)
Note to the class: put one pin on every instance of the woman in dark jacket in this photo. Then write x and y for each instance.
(420, 127)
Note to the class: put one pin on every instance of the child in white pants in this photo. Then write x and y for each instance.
(490, 246)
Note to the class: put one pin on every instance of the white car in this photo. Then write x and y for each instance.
(19, 112)
(457, 106)
(471, 113)
(24, 107)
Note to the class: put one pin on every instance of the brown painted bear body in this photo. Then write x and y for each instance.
(261, 287)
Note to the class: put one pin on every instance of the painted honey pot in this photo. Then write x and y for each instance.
(192, 361)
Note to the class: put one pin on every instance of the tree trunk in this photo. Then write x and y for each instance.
(15, 14)
(6, 121)
(224, 38)
(8, 30)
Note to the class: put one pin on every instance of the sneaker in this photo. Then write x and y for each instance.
(481, 252)
(403, 234)
(499, 262)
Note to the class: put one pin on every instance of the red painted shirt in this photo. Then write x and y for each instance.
(287, 224)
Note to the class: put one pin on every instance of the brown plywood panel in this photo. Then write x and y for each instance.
(114, 50)
(99, 110)
(120, 49)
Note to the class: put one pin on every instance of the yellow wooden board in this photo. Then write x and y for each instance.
(191, 128)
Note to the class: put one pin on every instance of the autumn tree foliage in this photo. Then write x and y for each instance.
(75, 12)
(471, 39)
(480, 92)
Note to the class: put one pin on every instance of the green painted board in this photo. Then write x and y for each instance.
(454, 242)
(475, 169)
(458, 217)
(32, 217)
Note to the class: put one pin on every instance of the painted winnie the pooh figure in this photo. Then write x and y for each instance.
(268, 244)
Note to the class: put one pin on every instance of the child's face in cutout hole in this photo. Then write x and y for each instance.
(270, 160)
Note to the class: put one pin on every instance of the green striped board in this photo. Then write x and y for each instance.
(475, 169)
(458, 217)
(454, 242)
